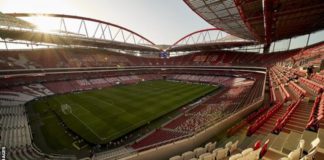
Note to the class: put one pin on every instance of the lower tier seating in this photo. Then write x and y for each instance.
(160, 136)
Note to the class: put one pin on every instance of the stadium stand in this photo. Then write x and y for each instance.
(229, 151)
(84, 58)
(205, 113)
(268, 103)
(193, 119)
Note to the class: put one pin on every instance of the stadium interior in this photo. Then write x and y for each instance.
(250, 88)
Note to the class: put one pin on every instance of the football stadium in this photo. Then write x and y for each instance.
(247, 86)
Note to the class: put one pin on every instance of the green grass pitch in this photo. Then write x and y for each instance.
(100, 116)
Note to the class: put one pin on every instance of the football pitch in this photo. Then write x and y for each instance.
(100, 116)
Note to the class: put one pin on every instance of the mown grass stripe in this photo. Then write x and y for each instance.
(112, 112)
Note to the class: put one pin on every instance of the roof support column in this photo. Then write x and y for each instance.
(5, 42)
(307, 42)
(266, 48)
(268, 21)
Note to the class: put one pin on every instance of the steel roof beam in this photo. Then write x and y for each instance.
(239, 7)
(289, 12)
(200, 31)
(80, 18)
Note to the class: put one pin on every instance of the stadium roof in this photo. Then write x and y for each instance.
(259, 24)
(262, 20)
(120, 37)
(208, 39)
(10, 21)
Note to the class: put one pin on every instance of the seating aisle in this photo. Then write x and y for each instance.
(270, 123)
(299, 118)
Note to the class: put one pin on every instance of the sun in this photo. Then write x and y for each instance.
(44, 24)
(43, 28)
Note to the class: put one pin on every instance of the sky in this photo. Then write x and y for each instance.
(161, 21)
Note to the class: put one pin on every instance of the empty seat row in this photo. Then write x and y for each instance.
(320, 113)
(274, 80)
(158, 137)
(5, 102)
(60, 59)
(258, 113)
(297, 89)
(40, 89)
(281, 122)
(255, 153)
(15, 96)
(29, 153)
(284, 93)
(199, 78)
(297, 154)
(233, 130)
(315, 87)
(13, 121)
(248, 120)
(12, 110)
(15, 137)
(273, 97)
(319, 78)
(208, 152)
(315, 115)
(228, 152)
(263, 118)
(300, 73)
(27, 90)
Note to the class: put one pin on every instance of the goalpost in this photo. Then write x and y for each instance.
(66, 109)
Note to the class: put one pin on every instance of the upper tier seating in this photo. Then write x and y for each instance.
(81, 84)
(64, 58)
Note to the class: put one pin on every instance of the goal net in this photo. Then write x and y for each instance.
(66, 109)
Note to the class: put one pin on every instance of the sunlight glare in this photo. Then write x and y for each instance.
(44, 24)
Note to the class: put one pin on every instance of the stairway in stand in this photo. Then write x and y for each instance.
(270, 123)
(299, 118)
